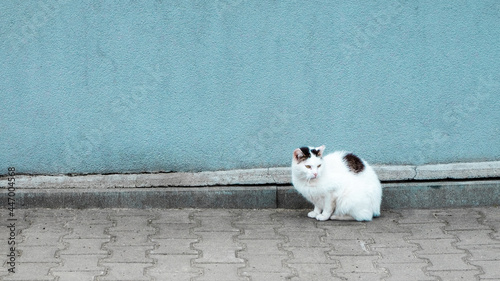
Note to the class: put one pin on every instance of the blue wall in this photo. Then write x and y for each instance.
(132, 86)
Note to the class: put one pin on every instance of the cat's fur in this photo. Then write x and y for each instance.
(340, 185)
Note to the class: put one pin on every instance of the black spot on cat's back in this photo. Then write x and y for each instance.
(354, 164)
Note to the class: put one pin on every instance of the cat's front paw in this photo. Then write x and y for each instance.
(322, 217)
(312, 214)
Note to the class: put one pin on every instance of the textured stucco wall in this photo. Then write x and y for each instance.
(132, 86)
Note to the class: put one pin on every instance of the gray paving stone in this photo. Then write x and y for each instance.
(218, 224)
(213, 244)
(461, 219)
(263, 263)
(218, 247)
(450, 262)
(353, 247)
(306, 239)
(220, 272)
(358, 264)
(125, 272)
(417, 216)
(298, 225)
(38, 253)
(267, 276)
(262, 247)
(441, 246)
(174, 247)
(174, 231)
(314, 272)
(138, 237)
(128, 254)
(261, 216)
(426, 231)
(266, 231)
(169, 276)
(78, 275)
(486, 252)
(383, 226)
(361, 275)
(173, 216)
(80, 263)
(406, 271)
(391, 240)
(173, 267)
(88, 230)
(87, 246)
(92, 216)
(340, 232)
(473, 237)
(399, 255)
(490, 268)
(217, 213)
(131, 223)
(304, 255)
(458, 275)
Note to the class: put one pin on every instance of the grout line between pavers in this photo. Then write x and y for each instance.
(57, 254)
(289, 254)
(104, 248)
(418, 247)
(197, 223)
(468, 255)
(241, 244)
(244, 247)
(155, 245)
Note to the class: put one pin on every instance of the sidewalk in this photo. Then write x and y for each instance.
(236, 244)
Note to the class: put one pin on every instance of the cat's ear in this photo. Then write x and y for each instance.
(298, 155)
(318, 151)
(321, 150)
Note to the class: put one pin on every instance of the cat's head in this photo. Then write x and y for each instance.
(307, 162)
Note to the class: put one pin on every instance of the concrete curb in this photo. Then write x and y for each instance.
(396, 196)
(428, 186)
(263, 176)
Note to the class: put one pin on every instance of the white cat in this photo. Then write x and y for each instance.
(340, 185)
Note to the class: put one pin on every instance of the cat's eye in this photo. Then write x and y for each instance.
(308, 166)
(319, 165)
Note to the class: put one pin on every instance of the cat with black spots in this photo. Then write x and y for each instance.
(341, 185)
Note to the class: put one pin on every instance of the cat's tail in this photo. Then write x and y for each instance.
(363, 215)
(359, 215)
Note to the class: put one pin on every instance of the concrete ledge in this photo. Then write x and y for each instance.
(458, 171)
(396, 196)
(441, 194)
(144, 198)
(265, 176)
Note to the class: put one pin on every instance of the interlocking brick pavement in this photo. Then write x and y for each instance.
(271, 244)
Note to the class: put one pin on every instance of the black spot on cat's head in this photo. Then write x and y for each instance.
(354, 164)
(316, 152)
(305, 151)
